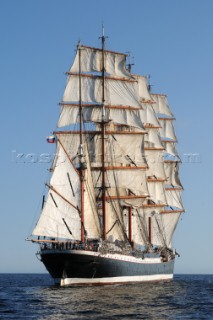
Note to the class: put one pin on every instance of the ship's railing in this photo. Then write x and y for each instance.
(69, 246)
(91, 246)
(104, 249)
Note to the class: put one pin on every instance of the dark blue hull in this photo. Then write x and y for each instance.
(71, 267)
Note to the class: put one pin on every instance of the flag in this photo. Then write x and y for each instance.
(51, 139)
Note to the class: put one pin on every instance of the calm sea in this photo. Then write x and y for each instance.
(34, 296)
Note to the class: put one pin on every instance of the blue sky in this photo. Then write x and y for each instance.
(170, 40)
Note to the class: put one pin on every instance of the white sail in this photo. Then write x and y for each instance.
(153, 217)
(152, 139)
(148, 116)
(155, 164)
(71, 144)
(161, 105)
(58, 212)
(114, 228)
(132, 180)
(91, 61)
(126, 117)
(123, 183)
(142, 228)
(173, 198)
(117, 92)
(70, 115)
(91, 221)
(169, 223)
(170, 148)
(167, 129)
(162, 226)
(139, 228)
(144, 94)
(60, 206)
(171, 170)
(157, 192)
(121, 149)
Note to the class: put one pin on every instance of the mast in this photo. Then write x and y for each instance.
(81, 150)
(150, 229)
(129, 65)
(80, 102)
(103, 138)
(130, 224)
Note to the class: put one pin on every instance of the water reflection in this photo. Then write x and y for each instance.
(142, 301)
(34, 297)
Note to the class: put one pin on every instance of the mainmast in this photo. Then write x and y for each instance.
(103, 186)
(81, 168)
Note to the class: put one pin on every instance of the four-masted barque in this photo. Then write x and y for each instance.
(114, 196)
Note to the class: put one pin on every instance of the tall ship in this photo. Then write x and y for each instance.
(113, 200)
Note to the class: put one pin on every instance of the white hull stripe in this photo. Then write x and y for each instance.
(113, 280)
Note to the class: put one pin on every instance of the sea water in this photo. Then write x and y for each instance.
(34, 296)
